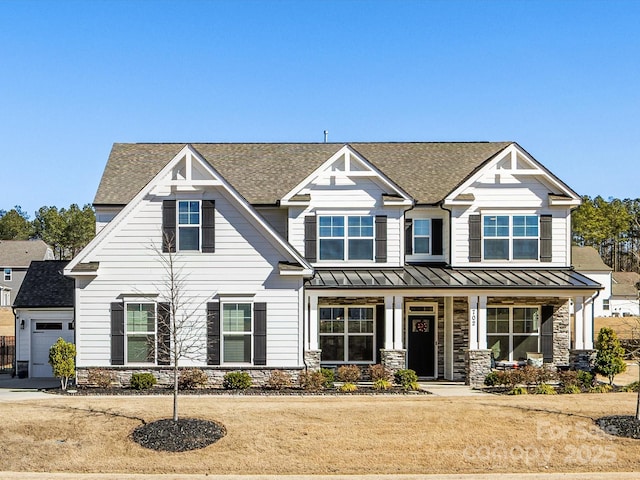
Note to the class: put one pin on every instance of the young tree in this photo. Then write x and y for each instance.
(609, 354)
(62, 358)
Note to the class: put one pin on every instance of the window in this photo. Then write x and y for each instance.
(421, 236)
(513, 331)
(352, 243)
(140, 326)
(605, 304)
(511, 237)
(236, 332)
(7, 275)
(346, 334)
(189, 225)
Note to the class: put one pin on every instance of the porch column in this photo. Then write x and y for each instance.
(588, 324)
(482, 323)
(313, 322)
(578, 313)
(388, 322)
(398, 321)
(473, 323)
(448, 338)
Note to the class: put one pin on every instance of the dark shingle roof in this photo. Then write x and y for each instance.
(46, 286)
(265, 172)
(20, 253)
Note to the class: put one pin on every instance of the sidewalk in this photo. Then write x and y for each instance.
(450, 389)
(17, 389)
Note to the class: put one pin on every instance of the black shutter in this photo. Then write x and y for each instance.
(310, 238)
(546, 333)
(213, 333)
(475, 238)
(436, 236)
(381, 238)
(169, 226)
(208, 226)
(260, 333)
(546, 238)
(117, 333)
(379, 329)
(408, 236)
(164, 334)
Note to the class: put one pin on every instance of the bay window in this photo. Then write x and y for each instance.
(346, 334)
(513, 331)
(353, 241)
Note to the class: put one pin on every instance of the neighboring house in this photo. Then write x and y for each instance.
(44, 313)
(624, 298)
(430, 256)
(588, 261)
(15, 257)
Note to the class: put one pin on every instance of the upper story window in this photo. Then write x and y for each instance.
(189, 225)
(7, 274)
(355, 242)
(422, 236)
(513, 237)
(140, 330)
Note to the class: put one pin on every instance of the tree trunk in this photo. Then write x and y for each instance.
(638, 402)
(175, 391)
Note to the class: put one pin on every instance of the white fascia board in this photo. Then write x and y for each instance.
(187, 150)
(450, 292)
(537, 170)
(372, 173)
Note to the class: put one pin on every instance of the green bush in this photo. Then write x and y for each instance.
(632, 387)
(379, 372)
(348, 387)
(329, 377)
(602, 388)
(545, 389)
(382, 384)
(142, 381)
(62, 358)
(236, 381)
(609, 354)
(192, 378)
(518, 391)
(349, 373)
(279, 380)
(100, 377)
(585, 379)
(312, 381)
(570, 389)
(406, 378)
(492, 379)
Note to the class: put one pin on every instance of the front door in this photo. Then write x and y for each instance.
(422, 340)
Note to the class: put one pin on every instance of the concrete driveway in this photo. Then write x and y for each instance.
(16, 389)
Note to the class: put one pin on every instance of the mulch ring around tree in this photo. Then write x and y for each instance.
(620, 425)
(186, 434)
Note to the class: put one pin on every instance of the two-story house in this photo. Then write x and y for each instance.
(440, 257)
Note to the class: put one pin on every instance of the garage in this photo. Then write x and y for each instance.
(44, 335)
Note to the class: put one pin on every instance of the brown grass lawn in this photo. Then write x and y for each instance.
(332, 434)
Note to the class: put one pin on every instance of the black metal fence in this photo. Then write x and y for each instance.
(7, 353)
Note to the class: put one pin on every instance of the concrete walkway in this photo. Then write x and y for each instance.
(17, 389)
(450, 389)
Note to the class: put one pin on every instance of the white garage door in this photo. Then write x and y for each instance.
(45, 334)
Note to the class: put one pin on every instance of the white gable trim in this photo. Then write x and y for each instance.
(352, 159)
(187, 183)
(509, 158)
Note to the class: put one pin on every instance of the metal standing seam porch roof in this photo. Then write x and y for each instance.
(422, 276)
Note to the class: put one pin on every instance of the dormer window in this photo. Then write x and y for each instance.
(422, 236)
(355, 242)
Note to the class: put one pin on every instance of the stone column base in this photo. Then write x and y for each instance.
(393, 360)
(312, 359)
(582, 359)
(478, 366)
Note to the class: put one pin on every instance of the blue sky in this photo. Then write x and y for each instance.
(562, 78)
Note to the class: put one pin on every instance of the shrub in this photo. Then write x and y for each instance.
(349, 373)
(236, 381)
(312, 381)
(100, 377)
(379, 372)
(192, 378)
(609, 354)
(568, 378)
(348, 387)
(279, 380)
(406, 378)
(382, 384)
(545, 389)
(142, 381)
(492, 379)
(632, 387)
(329, 377)
(586, 379)
(62, 358)
(570, 389)
(518, 391)
(603, 388)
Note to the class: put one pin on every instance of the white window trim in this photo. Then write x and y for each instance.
(345, 238)
(127, 334)
(511, 333)
(236, 301)
(345, 334)
(187, 225)
(8, 275)
(430, 237)
(5, 298)
(510, 237)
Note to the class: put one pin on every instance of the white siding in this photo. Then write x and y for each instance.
(430, 213)
(276, 217)
(104, 215)
(244, 262)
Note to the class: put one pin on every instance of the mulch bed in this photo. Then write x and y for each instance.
(620, 425)
(362, 390)
(186, 434)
